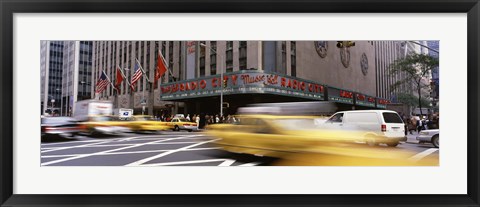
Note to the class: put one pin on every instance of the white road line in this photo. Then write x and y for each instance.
(112, 153)
(184, 162)
(119, 145)
(423, 154)
(227, 162)
(103, 145)
(146, 137)
(103, 152)
(249, 164)
(205, 148)
(140, 162)
(76, 146)
(57, 143)
(131, 152)
(56, 156)
(100, 142)
(177, 143)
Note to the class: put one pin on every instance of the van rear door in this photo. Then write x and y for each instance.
(394, 126)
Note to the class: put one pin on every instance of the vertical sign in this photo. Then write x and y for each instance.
(191, 59)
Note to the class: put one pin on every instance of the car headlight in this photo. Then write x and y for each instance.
(424, 133)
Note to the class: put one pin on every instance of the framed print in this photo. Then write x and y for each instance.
(237, 103)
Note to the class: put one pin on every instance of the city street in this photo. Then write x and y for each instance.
(169, 149)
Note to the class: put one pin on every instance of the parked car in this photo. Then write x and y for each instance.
(59, 127)
(384, 126)
(178, 123)
(429, 136)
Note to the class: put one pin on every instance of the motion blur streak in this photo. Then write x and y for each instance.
(306, 140)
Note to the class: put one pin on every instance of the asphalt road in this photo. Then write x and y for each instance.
(167, 149)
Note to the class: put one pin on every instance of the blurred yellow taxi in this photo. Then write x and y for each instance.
(142, 123)
(274, 135)
(300, 140)
(104, 125)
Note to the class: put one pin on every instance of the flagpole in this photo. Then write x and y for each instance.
(143, 71)
(126, 79)
(165, 62)
(123, 75)
(111, 84)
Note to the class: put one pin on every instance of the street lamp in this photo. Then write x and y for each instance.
(221, 76)
(53, 101)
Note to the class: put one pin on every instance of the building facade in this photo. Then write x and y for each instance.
(51, 61)
(386, 52)
(435, 94)
(253, 72)
(66, 68)
(77, 74)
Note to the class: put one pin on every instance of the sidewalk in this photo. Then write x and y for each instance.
(412, 138)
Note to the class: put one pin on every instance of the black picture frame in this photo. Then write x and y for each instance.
(10, 7)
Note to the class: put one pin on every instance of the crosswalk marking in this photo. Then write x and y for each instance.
(423, 154)
(227, 162)
(249, 164)
(140, 162)
(184, 162)
(107, 151)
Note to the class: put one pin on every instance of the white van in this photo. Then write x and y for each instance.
(380, 126)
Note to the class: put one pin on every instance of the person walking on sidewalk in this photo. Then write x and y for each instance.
(419, 125)
(411, 125)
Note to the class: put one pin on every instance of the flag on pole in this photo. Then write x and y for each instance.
(102, 83)
(161, 67)
(136, 75)
(118, 78)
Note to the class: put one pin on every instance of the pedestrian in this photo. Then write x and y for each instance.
(217, 119)
(411, 125)
(419, 125)
(201, 121)
(197, 120)
(188, 117)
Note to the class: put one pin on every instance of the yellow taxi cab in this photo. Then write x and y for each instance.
(105, 125)
(180, 123)
(272, 135)
(295, 139)
(146, 123)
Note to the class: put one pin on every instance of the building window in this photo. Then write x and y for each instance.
(202, 59)
(170, 60)
(213, 58)
(202, 66)
(180, 62)
(242, 55)
(293, 58)
(229, 57)
(283, 68)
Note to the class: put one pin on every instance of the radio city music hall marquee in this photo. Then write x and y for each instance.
(242, 82)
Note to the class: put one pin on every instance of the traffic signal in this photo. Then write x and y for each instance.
(340, 44)
(225, 83)
(350, 43)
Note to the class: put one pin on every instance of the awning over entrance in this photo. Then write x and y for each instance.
(260, 83)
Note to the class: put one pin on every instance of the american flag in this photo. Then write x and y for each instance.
(102, 83)
(136, 76)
